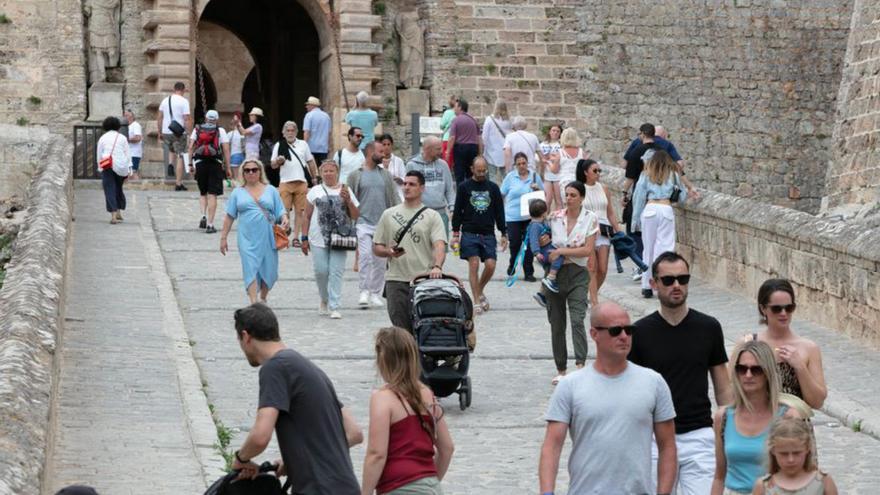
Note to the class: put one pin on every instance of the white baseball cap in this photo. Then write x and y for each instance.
(212, 115)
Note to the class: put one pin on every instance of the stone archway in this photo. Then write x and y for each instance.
(227, 61)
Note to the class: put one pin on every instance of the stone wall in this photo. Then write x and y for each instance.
(853, 179)
(738, 243)
(30, 318)
(746, 87)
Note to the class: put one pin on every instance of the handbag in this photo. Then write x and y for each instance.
(305, 169)
(106, 163)
(342, 237)
(676, 191)
(281, 239)
(174, 126)
(606, 230)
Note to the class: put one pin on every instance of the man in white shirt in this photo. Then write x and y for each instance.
(135, 143)
(175, 108)
(350, 158)
(518, 141)
(209, 149)
(392, 163)
(297, 173)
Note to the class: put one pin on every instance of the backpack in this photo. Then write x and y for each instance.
(207, 144)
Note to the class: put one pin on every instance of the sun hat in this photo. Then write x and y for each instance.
(256, 111)
(313, 101)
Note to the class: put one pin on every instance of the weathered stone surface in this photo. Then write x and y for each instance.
(105, 99)
(30, 312)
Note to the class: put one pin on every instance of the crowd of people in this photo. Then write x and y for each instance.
(639, 416)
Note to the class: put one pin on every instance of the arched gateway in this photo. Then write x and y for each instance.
(268, 53)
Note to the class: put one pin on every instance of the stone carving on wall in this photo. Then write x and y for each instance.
(412, 49)
(103, 36)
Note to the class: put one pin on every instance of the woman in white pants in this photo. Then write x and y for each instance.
(659, 187)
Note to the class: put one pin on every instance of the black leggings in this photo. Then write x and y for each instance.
(516, 232)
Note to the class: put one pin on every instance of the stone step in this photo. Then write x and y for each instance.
(152, 72)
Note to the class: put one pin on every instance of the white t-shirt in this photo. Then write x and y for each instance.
(292, 170)
(397, 169)
(522, 141)
(316, 237)
(179, 108)
(137, 149)
(349, 163)
(235, 142)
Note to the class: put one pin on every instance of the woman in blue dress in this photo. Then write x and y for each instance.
(257, 206)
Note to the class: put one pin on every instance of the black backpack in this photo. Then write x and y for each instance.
(265, 483)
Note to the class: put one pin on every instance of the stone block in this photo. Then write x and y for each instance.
(152, 18)
(105, 99)
(173, 31)
(411, 101)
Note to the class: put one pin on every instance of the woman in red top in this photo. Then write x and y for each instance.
(409, 448)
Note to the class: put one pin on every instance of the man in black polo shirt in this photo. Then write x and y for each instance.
(685, 347)
(479, 208)
(298, 402)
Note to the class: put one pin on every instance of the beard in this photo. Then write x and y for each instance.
(672, 302)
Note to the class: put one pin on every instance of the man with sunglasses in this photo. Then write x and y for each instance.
(685, 347)
(612, 408)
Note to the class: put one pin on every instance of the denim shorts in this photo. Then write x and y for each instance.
(482, 245)
(236, 159)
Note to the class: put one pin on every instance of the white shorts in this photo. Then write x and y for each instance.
(601, 240)
(550, 176)
(696, 462)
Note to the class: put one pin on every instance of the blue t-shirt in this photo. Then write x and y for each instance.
(317, 122)
(512, 189)
(661, 143)
(367, 120)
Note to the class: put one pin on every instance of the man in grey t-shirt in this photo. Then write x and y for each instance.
(612, 408)
(297, 401)
(374, 187)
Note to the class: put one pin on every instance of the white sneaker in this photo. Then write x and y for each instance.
(322, 309)
(637, 275)
(364, 300)
(376, 301)
(335, 315)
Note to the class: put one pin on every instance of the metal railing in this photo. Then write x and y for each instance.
(85, 142)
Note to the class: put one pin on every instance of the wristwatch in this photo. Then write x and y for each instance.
(239, 459)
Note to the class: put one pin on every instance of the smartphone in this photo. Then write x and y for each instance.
(398, 249)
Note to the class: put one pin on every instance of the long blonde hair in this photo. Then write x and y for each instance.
(501, 110)
(659, 167)
(792, 429)
(397, 358)
(764, 355)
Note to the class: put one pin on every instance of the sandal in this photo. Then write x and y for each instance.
(484, 303)
(556, 379)
(295, 243)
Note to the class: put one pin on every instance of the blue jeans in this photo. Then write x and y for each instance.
(554, 265)
(329, 267)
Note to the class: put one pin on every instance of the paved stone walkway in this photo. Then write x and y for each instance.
(497, 439)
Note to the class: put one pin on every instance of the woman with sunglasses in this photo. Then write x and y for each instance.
(257, 206)
(409, 447)
(658, 189)
(598, 200)
(574, 232)
(741, 429)
(798, 359)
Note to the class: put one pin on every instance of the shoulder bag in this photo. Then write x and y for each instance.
(174, 126)
(399, 236)
(503, 135)
(106, 163)
(306, 173)
(281, 239)
(342, 237)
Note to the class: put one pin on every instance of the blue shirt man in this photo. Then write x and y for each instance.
(316, 127)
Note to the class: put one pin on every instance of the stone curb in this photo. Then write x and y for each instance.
(200, 423)
(838, 406)
(31, 308)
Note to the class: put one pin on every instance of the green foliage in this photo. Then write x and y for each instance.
(4, 19)
(857, 426)
(5, 253)
(491, 69)
(224, 438)
(379, 8)
(22, 121)
(34, 100)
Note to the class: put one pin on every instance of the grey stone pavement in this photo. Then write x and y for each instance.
(131, 417)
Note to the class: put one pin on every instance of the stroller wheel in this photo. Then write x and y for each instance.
(464, 393)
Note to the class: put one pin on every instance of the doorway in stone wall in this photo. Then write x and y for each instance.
(281, 67)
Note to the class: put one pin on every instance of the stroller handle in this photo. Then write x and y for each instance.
(447, 276)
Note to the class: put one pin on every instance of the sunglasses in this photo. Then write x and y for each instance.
(668, 280)
(615, 330)
(777, 308)
(359, 136)
(597, 170)
(742, 369)
(250, 170)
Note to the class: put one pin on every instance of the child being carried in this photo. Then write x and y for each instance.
(537, 229)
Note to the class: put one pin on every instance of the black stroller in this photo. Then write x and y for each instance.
(442, 315)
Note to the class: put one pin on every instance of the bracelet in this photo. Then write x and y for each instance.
(437, 267)
(303, 238)
(239, 459)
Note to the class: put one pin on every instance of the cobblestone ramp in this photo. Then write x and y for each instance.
(120, 421)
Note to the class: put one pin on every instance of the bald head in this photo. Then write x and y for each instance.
(606, 314)
(660, 132)
(431, 148)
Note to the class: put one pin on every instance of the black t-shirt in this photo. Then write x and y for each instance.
(309, 427)
(682, 354)
(634, 159)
